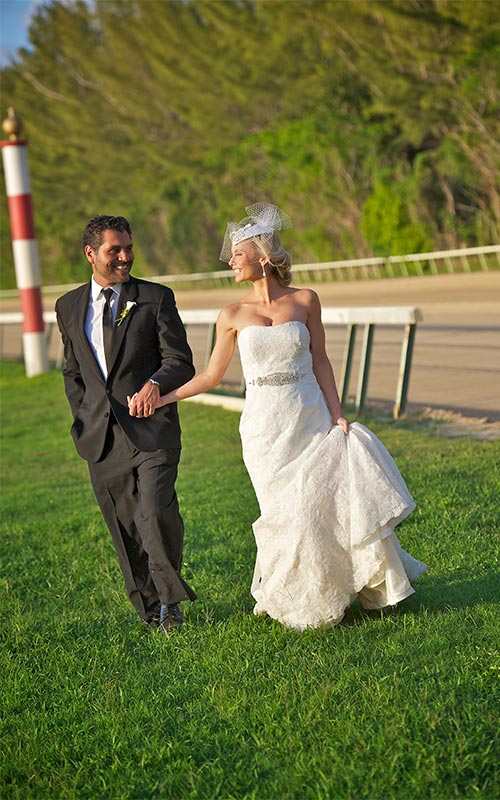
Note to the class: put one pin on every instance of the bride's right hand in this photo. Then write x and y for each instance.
(343, 423)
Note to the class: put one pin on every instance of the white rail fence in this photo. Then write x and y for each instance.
(467, 259)
(351, 319)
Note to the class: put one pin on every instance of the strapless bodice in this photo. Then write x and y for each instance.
(275, 355)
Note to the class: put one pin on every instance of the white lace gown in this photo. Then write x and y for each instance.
(328, 502)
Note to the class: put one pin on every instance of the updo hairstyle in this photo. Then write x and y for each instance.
(279, 259)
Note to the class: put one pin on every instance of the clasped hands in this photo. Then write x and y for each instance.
(144, 402)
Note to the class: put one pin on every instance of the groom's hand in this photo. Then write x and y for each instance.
(143, 403)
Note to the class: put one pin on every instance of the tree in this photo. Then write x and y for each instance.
(375, 123)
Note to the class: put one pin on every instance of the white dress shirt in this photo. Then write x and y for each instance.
(93, 320)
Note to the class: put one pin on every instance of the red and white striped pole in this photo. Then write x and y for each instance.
(24, 246)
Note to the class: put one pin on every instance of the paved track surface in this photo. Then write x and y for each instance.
(456, 363)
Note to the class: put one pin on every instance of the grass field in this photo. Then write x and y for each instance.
(399, 705)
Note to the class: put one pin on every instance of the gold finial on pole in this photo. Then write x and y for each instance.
(12, 125)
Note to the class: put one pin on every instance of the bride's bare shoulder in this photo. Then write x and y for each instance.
(229, 314)
(307, 297)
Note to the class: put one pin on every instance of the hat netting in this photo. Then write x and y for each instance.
(263, 219)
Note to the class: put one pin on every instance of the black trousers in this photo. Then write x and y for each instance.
(136, 494)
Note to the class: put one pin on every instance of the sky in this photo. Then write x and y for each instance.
(14, 23)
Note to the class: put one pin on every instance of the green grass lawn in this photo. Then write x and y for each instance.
(94, 705)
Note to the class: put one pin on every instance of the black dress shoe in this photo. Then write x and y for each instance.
(171, 618)
(153, 618)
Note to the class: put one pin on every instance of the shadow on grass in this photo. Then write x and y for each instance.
(459, 590)
(434, 595)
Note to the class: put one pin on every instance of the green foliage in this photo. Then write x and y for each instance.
(374, 123)
(400, 705)
(387, 217)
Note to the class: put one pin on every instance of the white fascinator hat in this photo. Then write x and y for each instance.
(263, 219)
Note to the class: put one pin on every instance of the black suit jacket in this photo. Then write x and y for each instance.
(149, 343)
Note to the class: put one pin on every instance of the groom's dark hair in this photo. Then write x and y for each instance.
(95, 227)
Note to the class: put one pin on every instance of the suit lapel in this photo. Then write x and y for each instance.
(81, 314)
(82, 310)
(128, 293)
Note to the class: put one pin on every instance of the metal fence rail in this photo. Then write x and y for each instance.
(351, 319)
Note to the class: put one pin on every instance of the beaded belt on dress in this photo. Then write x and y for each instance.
(276, 379)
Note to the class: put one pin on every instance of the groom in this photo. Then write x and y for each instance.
(123, 336)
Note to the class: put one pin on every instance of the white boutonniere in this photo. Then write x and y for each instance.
(125, 312)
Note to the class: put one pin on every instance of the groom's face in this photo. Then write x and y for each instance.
(112, 261)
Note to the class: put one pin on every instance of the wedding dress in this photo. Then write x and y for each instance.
(328, 502)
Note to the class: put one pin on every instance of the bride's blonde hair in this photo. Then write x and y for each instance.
(279, 259)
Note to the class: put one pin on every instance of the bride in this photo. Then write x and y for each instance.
(330, 495)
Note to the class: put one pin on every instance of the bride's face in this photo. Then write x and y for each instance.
(246, 262)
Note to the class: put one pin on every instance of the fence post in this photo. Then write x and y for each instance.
(404, 370)
(364, 367)
(347, 363)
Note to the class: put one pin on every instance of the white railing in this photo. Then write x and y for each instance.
(350, 318)
(466, 259)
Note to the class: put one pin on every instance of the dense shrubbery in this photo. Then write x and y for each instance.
(375, 123)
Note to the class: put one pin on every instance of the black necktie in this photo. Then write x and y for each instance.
(107, 325)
